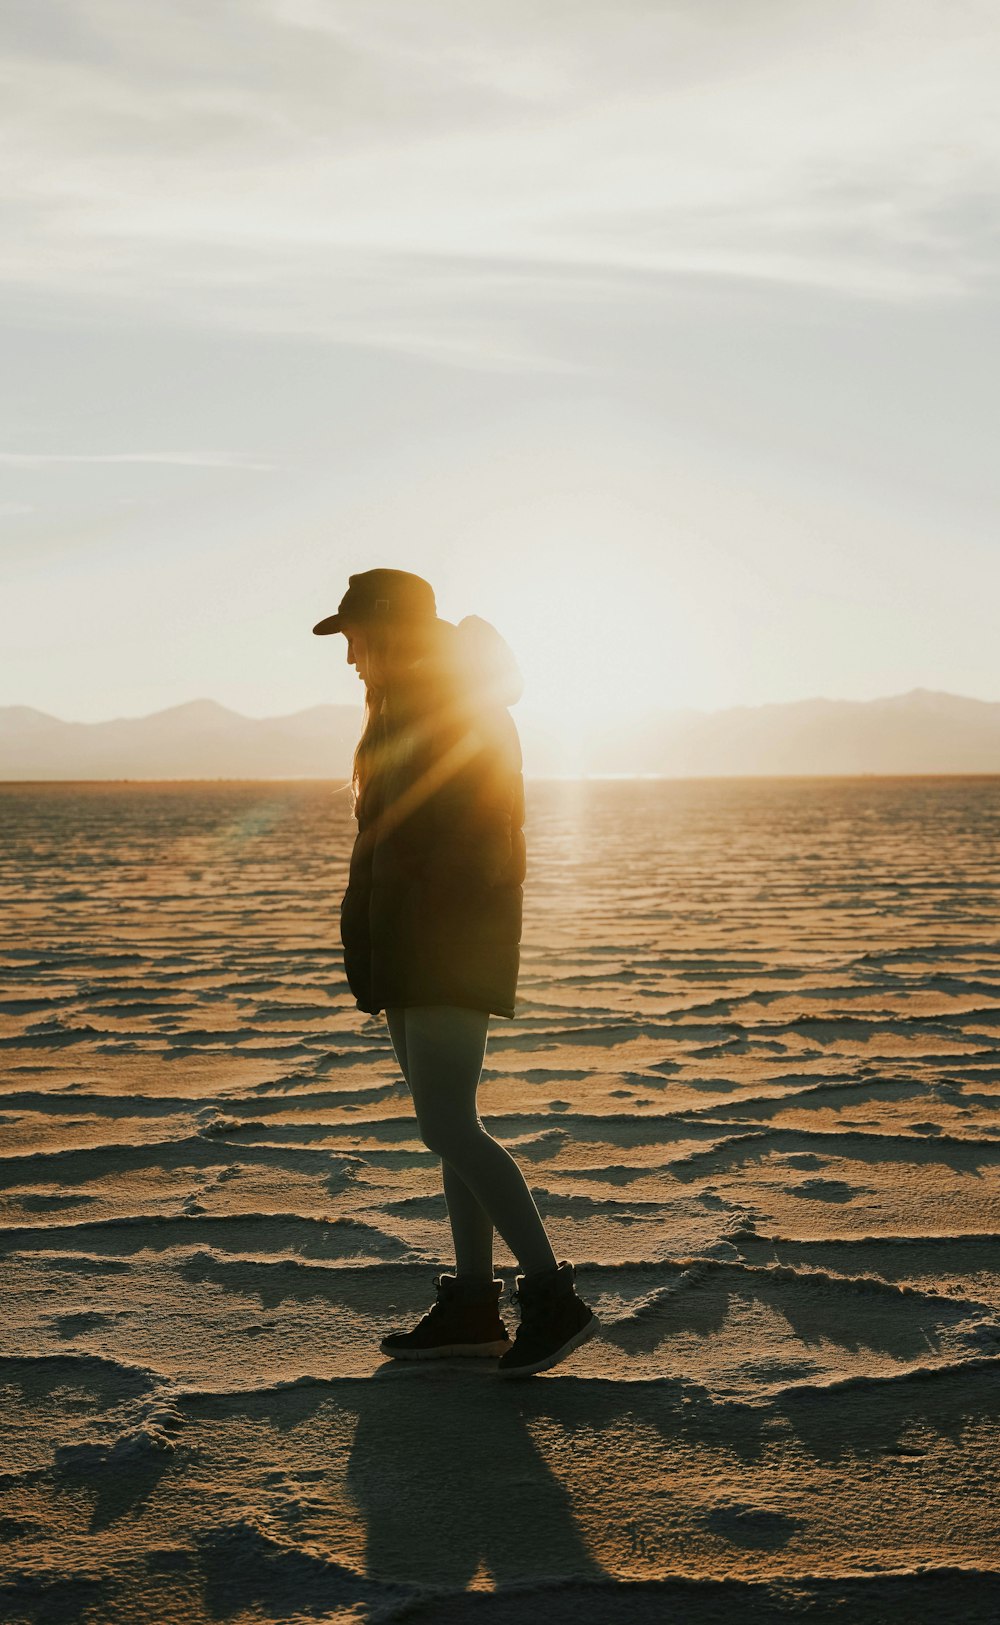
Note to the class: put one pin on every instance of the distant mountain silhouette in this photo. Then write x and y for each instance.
(919, 732)
(201, 740)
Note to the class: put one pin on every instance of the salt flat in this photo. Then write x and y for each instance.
(754, 1080)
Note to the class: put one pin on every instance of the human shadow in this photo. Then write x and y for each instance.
(451, 1484)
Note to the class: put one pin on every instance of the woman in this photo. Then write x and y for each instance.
(431, 926)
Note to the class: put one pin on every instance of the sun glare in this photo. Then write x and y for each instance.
(593, 642)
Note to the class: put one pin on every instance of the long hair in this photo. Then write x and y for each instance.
(393, 650)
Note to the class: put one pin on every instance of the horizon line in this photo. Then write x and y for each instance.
(530, 778)
(346, 705)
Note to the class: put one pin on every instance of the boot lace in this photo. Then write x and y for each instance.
(437, 1308)
(536, 1313)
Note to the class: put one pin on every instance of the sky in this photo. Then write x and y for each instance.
(662, 335)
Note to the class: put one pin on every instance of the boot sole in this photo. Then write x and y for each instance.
(445, 1350)
(582, 1336)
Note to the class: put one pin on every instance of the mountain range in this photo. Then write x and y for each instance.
(918, 732)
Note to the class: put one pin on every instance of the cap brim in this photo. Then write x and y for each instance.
(331, 624)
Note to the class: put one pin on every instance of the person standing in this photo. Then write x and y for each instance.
(431, 928)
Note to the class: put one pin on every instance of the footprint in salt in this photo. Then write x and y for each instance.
(753, 1526)
(825, 1190)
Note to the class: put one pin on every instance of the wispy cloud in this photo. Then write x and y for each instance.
(692, 293)
(294, 168)
(170, 459)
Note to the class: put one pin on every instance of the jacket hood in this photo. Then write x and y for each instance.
(478, 662)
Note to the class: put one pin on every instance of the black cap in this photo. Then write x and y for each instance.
(394, 595)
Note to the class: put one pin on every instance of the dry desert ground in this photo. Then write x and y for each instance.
(754, 1081)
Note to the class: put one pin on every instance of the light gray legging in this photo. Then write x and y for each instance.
(440, 1050)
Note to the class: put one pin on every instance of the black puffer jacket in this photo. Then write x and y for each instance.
(432, 911)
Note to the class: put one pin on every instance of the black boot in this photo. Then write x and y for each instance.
(554, 1321)
(464, 1320)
